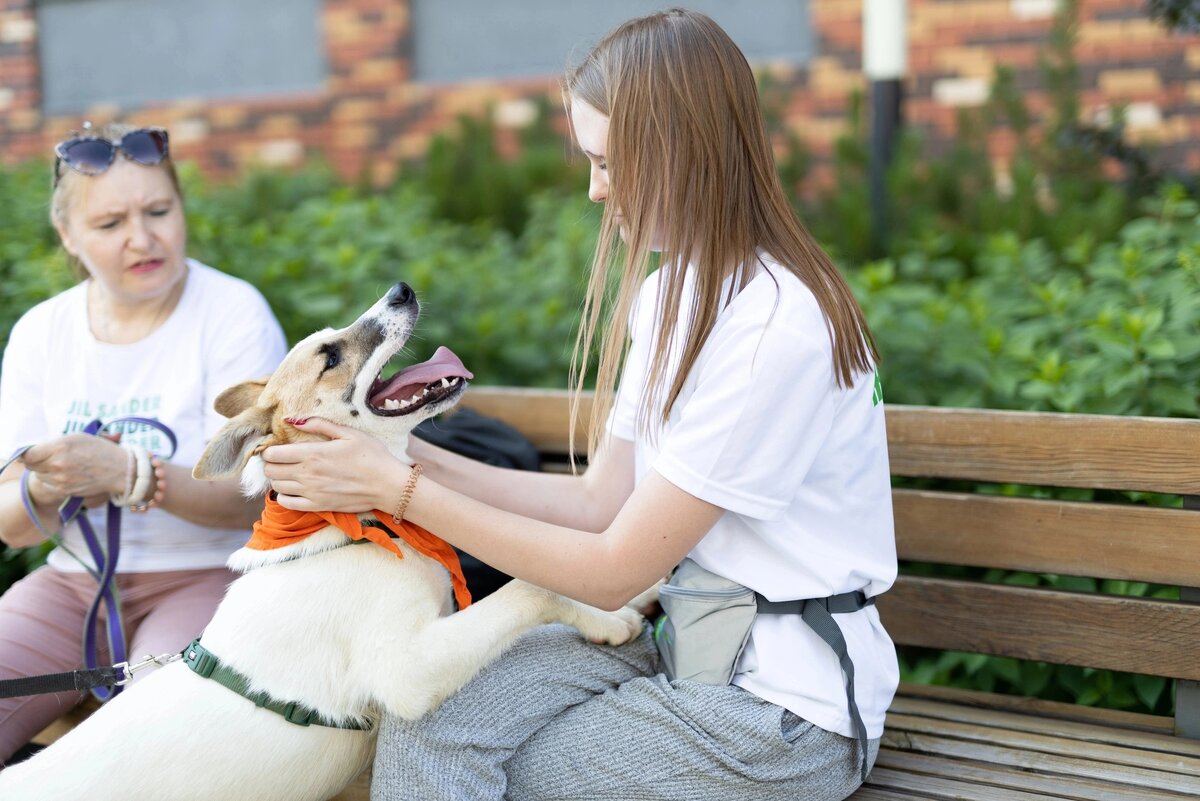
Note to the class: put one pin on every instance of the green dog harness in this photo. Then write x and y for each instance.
(206, 664)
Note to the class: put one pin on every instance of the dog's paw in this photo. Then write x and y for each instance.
(647, 599)
(613, 628)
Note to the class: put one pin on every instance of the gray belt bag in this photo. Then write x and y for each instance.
(706, 624)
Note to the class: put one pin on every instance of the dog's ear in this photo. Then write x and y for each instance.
(229, 450)
(239, 397)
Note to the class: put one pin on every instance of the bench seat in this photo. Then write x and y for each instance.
(944, 743)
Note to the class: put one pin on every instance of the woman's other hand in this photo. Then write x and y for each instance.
(349, 473)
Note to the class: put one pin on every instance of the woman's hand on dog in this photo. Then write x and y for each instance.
(351, 472)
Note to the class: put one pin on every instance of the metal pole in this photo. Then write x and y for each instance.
(885, 60)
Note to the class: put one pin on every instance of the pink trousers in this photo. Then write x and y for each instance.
(41, 630)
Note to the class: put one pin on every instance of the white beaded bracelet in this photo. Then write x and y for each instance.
(130, 475)
(141, 484)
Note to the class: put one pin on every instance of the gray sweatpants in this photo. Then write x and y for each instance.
(559, 718)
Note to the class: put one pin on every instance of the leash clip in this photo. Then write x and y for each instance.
(127, 670)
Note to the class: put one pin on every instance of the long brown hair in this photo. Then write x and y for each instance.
(691, 171)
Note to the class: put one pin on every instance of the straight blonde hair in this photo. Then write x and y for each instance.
(691, 170)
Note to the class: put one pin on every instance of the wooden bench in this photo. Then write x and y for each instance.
(944, 743)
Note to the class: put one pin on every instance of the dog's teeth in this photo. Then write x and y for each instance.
(446, 383)
(425, 391)
(391, 403)
(453, 381)
(415, 397)
(403, 404)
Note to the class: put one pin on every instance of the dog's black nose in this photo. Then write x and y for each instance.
(401, 295)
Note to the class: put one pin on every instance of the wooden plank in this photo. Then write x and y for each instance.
(1060, 710)
(1138, 543)
(1045, 754)
(871, 793)
(1014, 721)
(951, 788)
(982, 773)
(1065, 450)
(1098, 451)
(1137, 635)
(542, 415)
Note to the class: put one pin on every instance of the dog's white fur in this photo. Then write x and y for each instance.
(349, 631)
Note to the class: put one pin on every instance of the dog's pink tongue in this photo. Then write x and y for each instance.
(411, 380)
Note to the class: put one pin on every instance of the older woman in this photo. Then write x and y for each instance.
(148, 333)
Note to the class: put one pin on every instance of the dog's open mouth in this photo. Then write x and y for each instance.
(419, 385)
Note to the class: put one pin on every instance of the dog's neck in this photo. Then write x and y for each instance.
(255, 483)
(327, 539)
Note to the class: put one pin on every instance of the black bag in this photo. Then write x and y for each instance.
(485, 439)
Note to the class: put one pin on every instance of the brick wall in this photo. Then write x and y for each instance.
(369, 115)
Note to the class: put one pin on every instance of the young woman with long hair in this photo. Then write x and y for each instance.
(747, 436)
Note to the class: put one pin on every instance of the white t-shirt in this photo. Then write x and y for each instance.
(57, 378)
(762, 430)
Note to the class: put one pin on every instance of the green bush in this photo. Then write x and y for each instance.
(507, 305)
(1103, 327)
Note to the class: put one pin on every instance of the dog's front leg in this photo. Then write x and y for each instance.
(450, 651)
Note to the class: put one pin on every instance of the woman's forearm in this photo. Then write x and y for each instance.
(579, 564)
(16, 529)
(217, 504)
(561, 499)
(655, 528)
(205, 503)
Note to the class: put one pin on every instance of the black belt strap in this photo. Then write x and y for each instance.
(818, 614)
(72, 681)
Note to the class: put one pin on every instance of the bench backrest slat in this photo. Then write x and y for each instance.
(542, 415)
(1138, 635)
(1049, 536)
(1060, 450)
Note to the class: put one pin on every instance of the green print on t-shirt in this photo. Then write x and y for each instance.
(83, 411)
(877, 395)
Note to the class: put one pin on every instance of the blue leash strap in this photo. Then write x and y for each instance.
(104, 556)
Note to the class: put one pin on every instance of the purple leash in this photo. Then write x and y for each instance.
(105, 557)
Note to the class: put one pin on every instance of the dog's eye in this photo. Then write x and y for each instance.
(333, 356)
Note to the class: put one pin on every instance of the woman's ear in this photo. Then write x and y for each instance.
(65, 237)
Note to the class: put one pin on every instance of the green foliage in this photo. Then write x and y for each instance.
(507, 305)
(469, 183)
(1096, 327)
(32, 266)
(1179, 15)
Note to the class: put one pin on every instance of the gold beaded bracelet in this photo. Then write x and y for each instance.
(406, 495)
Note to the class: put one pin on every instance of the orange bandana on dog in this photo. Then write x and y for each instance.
(279, 527)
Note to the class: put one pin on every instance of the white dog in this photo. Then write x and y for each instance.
(347, 632)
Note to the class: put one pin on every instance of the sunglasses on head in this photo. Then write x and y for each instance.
(92, 155)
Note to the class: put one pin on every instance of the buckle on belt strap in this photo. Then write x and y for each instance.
(818, 614)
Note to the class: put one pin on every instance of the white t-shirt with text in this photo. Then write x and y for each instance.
(57, 377)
